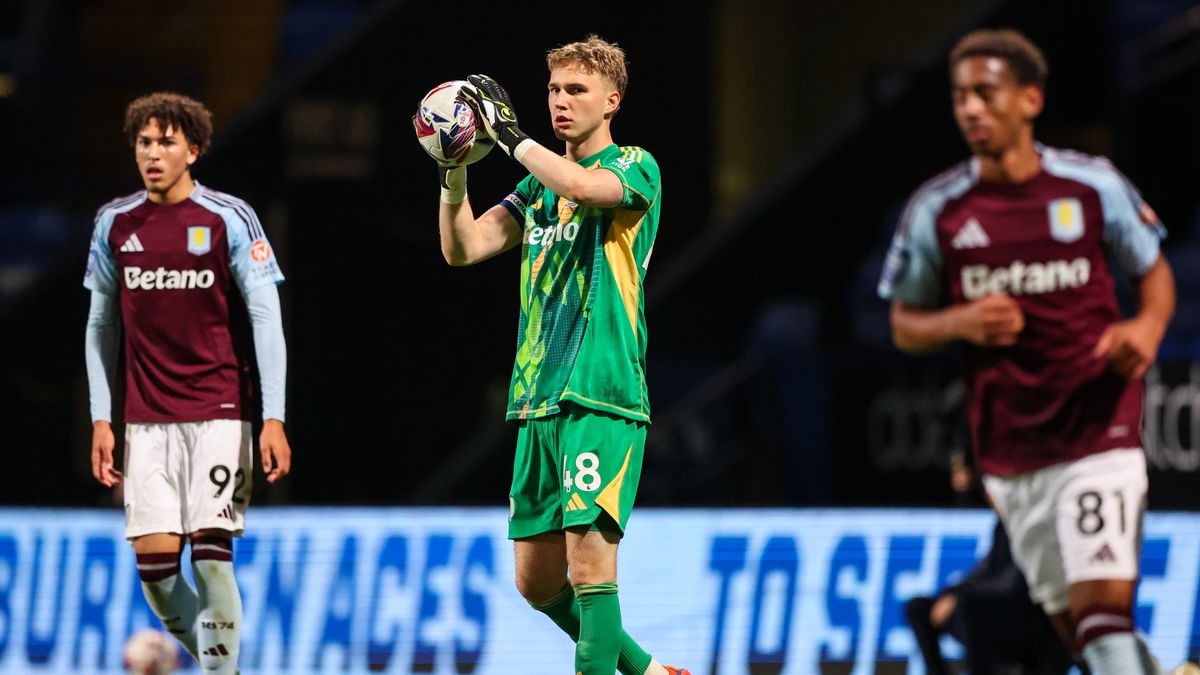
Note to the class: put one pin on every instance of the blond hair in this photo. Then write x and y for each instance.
(593, 55)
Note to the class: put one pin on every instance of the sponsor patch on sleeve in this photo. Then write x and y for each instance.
(1147, 214)
(260, 251)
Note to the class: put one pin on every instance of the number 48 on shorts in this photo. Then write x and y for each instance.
(586, 477)
(575, 468)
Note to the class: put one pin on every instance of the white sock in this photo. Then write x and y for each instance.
(219, 625)
(169, 595)
(1114, 654)
(1149, 663)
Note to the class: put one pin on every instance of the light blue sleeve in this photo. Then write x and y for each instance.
(1132, 230)
(100, 353)
(266, 321)
(912, 270)
(101, 273)
(251, 258)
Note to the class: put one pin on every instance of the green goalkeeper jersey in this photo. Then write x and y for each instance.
(582, 331)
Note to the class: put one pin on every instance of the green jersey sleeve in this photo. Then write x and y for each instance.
(519, 198)
(638, 172)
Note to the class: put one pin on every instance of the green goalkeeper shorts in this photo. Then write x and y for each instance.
(576, 468)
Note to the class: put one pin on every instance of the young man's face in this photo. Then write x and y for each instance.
(163, 156)
(991, 108)
(579, 102)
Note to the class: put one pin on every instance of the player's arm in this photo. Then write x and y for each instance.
(270, 350)
(993, 321)
(467, 240)
(493, 107)
(1132, 236)
(912, 281)
(1132, 345)
(254, 266)
(100, 356)
(566, 178)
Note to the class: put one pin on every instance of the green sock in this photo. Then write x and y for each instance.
(599, 642)
(563, 610)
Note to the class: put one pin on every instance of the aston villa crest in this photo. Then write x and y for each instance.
(199, 239)
(1066, 220)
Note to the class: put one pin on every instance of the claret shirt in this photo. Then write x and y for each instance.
(1047, 242)
(181, 271)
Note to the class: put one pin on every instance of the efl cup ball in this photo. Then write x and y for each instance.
(446, 127)
(150, 652)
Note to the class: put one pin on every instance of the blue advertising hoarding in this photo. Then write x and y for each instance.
(401, 590)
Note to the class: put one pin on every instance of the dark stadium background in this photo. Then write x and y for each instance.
(789, 134)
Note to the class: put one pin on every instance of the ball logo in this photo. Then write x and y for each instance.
(163, 278)
(260, 251)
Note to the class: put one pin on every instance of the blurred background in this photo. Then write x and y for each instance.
(789, 135)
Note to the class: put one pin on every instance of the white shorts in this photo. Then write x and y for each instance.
(187, 476)
(1073, 522)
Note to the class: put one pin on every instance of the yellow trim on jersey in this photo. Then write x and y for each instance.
(534, 268)
(618, 250)
(609, 498)
(527, 413)
(566, 211)
(632, 152)
(591, 403)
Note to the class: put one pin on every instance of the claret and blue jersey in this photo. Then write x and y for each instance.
(175, 268)
(1048, 242)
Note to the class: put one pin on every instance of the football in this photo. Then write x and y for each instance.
(446, 127)
(150, 652)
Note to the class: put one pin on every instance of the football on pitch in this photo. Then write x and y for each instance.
(150, 652)
(446, 127)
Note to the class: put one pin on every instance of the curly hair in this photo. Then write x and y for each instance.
(1025, 60)
(593, 55)
(171, 110)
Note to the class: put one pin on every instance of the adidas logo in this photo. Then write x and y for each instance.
(575, 503)
(219, 650)
(226, 512)
(132, 245)
(970, 236)
(1103, 555)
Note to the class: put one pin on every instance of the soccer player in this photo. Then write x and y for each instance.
(1010, 253)
(194, 278)
(586, 223)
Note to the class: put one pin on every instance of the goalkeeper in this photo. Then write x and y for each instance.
(586, 223)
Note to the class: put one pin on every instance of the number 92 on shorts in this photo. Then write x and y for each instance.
(576, 468)
(187, 476)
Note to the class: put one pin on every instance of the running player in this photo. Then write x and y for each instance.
(188, 266)
(1009, 253)
(586, 224)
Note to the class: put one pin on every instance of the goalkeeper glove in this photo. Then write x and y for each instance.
(493, 107)
(454, 183)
